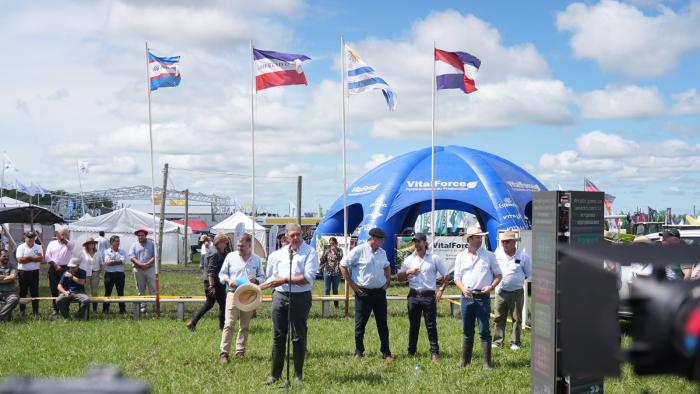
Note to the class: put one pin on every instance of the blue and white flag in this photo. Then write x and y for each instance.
(83, 167)
(163, 71)
(7, 163)
(362, 78)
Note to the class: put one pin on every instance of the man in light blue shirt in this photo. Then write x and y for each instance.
(291, 298)
(114, 259)
(367, 271)
(516, 267)
(476, 274)
(420, 269)
(239, 267)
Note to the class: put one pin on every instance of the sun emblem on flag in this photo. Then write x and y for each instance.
(156, 67)
(353, 56)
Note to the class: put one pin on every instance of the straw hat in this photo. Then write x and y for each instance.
(89, 240)
(508, 235)
(472, 231)
(247, 297)
(642, 239)
(221, 238)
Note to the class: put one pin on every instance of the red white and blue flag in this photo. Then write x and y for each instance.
(163, 71)
(456, 70)
(278, 69)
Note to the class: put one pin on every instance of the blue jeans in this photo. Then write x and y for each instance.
(478, 308)
(334, 281)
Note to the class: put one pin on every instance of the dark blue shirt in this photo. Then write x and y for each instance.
(70, 285)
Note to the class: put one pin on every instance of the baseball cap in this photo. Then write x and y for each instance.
(420, 237)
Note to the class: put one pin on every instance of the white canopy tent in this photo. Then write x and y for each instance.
(123, 222)
(11, 202)
(228, 226)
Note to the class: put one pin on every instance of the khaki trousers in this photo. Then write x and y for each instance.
(93, 282)
(230, 317)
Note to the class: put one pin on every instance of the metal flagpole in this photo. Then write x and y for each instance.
(343, 86)
(432, 152)
(252, 136)
(153, 186)
(2, 182)
(80, 183)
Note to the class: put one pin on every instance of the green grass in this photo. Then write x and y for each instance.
(174, 360)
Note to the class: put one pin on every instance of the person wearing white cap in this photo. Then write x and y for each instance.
(72, 288)
(516, 267)
(476, 274)
(239, 267)
(143, 257)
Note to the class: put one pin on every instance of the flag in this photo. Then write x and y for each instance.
(453, 221)
(608, 199)
(362, 78)
(278, 69)
(456, 70)
(7, 163)
(83, 166)
(163, 72)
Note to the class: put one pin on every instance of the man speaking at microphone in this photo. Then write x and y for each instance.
(294, 292)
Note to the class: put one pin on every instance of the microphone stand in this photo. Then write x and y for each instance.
(288, 383)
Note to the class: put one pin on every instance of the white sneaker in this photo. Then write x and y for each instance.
(514, 347)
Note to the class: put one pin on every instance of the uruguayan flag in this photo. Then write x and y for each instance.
(362, 78)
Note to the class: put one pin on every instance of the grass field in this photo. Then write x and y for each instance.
(175, 360)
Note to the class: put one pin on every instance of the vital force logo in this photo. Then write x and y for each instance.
(414, 186)
(362, 190)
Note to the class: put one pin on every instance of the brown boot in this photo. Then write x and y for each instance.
(223, 358)
(486, 351)
(467, 348)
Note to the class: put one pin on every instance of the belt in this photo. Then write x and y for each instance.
(421, 293)
(510, 291)
(286, 293)
(366, 289)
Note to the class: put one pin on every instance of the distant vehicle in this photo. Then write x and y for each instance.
(690, 235)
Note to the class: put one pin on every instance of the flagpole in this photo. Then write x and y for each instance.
(80, 183)
(153, 187)
(343, 86)
(252, 136)
(432, 150)
(2, 182)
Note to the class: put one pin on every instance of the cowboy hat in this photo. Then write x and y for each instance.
(247, 297)
(508, 235)
(141, 230)
(472, 231)
(89, 240)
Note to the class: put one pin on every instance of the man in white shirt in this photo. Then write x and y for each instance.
(476, 274)
(516, 267)
(367, 271)
(239, 267)
(29, 257)
(102, 243)
(291, 273)
(420, 269)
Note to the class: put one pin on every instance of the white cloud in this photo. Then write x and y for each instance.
(376, 160)
(620, 160)
(623, 39)
(625, 101)
(686, 103)
(514, 83)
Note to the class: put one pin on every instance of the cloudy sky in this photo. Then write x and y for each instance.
(607, 90)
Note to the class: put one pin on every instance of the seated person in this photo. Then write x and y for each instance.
(72, 287)
(8, 286)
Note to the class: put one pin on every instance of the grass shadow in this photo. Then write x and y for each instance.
(371, 378)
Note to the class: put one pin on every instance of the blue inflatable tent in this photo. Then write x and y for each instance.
(394, 194)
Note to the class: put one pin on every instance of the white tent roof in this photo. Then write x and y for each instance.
(11, 202)
(229, 224)
(125, 220)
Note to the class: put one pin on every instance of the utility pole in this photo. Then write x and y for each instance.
(160, 236)
(187, 223)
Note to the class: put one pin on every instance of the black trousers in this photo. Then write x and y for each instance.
(218, 297)
(372, 300)
(301, 305)
(112, 280)
(29, 282)
(54, 278)
(422, 304)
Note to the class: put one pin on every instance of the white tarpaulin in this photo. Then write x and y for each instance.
(228, 226)
(123, 222)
